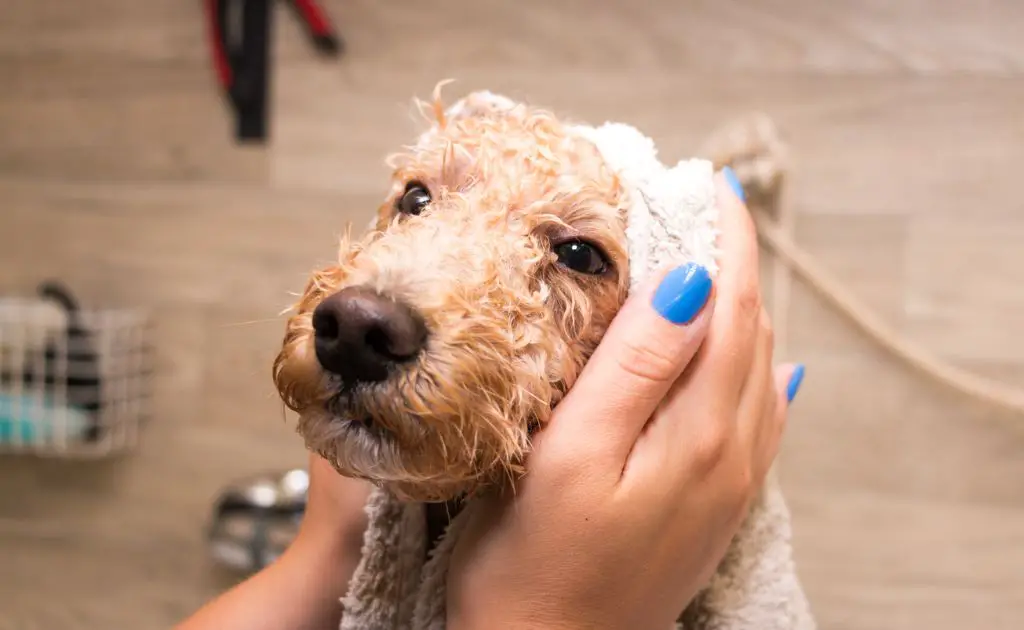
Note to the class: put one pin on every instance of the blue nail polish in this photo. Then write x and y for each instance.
(682, 293)
(794, 382)
(734, 182)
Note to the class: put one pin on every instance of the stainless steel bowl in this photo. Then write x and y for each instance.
(254, 520)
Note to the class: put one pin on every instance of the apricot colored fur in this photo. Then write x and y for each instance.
(509, 328)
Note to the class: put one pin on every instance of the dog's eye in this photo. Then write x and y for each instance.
(414, 200)
(582, 257)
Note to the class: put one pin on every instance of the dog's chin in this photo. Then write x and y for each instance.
(355, 445)
(363, 447)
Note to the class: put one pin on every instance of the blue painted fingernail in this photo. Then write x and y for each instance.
(734, 182)
(682, 293)
(794, 382)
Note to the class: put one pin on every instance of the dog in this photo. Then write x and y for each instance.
(425, 358)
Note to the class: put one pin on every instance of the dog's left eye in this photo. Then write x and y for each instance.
(582, 257)
(414, 200)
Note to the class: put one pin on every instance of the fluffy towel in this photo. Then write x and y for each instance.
(671, 220)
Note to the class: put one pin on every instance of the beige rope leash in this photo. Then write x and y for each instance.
(753, 148)
(832, 291)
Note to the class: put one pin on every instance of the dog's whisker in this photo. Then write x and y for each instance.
(251, 322)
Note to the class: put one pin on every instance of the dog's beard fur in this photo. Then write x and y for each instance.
(509, 329)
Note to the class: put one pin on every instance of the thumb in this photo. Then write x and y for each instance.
(647, 346)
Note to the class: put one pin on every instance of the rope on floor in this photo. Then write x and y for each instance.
(753, 147)
(832, 291)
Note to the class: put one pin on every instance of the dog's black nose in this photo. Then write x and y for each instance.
(360, 334)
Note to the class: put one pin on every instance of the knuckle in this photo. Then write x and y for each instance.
(710, 450)
(567, 469)
(646, 360)
(749, 301)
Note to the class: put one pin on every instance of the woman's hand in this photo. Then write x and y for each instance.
(647, 468)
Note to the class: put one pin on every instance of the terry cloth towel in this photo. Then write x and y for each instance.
(671, 220)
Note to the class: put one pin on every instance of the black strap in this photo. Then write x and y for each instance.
(242, 30)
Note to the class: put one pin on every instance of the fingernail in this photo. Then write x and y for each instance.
(682, 293)
(794, 382)
(734, 182)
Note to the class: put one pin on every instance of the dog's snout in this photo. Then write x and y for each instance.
(360, 335)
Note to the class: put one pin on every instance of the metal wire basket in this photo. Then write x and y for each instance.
(73, 382)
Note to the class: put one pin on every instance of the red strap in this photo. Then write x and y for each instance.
(314, 16)
(220, 59)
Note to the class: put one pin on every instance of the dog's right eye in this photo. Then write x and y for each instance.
(581, 257)
(414, 200)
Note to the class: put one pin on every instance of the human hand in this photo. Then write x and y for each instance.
(334, 520)
(644, 475)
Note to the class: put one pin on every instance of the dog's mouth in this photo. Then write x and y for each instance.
(351, 418)
(365, 425)
(384, 433)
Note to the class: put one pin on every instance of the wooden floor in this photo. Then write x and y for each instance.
(118, 173)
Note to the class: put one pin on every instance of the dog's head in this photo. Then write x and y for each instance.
(423, 359)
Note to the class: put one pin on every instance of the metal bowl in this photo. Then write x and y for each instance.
(254, 520)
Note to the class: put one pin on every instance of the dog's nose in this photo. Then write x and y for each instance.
(360, 335)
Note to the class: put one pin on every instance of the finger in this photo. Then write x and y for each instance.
(649, 343)
(787, 382)
(704, 423)
(758, 396)
(730, 339)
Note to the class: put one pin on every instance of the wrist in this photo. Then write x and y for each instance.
(333, 527)
(335, 518)
(328, 550)
(316, 572)
(327, 540)
(324, 547)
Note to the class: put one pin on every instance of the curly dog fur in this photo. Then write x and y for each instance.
(509, 328)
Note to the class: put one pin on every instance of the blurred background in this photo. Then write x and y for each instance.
(122, 177)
